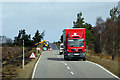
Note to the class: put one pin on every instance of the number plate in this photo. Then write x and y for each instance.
(76, 54)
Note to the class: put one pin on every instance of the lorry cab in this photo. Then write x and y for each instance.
(74, 43)
(76, 49)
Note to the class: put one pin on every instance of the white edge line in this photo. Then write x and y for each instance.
(104, 69)
(33, 74)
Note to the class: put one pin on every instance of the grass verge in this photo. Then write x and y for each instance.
(12, 63)
(105, 61)
(27, 71)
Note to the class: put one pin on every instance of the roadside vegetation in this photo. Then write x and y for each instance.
(26, 73)
(105, 61)
(12, 61)
(12, 54)
(103, 46)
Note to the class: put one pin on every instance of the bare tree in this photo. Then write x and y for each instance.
(97, 33)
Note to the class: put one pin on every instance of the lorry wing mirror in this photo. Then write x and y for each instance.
(86, 42)
(84, 39)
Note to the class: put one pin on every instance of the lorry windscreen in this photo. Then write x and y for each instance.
(76, 42)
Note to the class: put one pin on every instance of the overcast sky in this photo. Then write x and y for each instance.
(49, 16)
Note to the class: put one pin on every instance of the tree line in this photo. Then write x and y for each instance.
(18, 40)
(106, 33)
(22, 35)
(104, 37)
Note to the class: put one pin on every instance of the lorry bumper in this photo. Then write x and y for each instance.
(77, 55)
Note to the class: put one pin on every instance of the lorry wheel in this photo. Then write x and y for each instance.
(61, 53)
(67, 59)
(64, 57)
(84, 59)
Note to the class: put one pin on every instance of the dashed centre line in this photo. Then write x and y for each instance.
(65, 63)
(72, 73)
(68, 67)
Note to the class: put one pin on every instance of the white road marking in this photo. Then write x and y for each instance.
(68, 67)
(103, 69)
(33, 74)
(65, 63)
(72, 73)
(62, 62)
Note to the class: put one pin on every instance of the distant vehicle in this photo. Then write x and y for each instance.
(74, 44)
(61, 49)
(47, 43)
(44, 48)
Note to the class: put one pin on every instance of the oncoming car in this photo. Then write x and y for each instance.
(61, 49)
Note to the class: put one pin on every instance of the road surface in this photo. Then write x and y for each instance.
(52, 65)
(53, 46)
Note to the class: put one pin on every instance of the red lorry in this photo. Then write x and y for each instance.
(74, 44)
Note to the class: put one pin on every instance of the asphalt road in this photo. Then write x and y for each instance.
(53, 46)
(52, 65)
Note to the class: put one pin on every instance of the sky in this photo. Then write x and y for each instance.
(53, 17)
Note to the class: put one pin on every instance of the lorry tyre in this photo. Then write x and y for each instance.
(64, 57)
(84, 59)
(67, 59)
(60, 53)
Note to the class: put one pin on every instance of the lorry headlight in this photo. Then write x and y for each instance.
(84, 54)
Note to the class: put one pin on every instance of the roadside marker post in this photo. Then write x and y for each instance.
(38, 48)
(23, 55)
